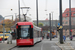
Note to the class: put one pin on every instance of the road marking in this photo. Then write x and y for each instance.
(42, 46)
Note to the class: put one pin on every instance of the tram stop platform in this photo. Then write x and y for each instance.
(65, 46)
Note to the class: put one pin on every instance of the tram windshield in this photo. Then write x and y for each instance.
(24, 32)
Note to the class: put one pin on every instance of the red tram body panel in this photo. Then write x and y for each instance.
(24, 42)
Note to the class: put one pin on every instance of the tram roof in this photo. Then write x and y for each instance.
(25, 23)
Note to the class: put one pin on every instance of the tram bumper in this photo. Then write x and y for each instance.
(23, 42)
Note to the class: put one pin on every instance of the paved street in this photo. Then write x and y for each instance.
(46, 44)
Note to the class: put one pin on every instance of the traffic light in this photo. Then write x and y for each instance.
(58, 28)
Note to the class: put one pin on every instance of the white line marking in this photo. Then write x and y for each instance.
(42, 46)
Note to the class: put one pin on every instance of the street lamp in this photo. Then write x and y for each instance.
(4, 25)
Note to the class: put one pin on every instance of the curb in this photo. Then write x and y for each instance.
(59, 46)
(12, 47)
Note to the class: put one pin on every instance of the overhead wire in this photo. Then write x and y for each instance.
(46, 7)
(23, 4)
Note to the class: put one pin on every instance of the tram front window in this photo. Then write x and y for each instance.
(24, 32)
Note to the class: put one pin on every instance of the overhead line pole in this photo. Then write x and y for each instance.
(52, 21)
(70, 19)
(50, 26)
(37, 11)
(61, 30)
(56, 28)
(19, 9)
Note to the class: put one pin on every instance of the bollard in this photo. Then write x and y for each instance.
(9, 40)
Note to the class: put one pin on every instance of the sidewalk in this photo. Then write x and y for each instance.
(5, 46)
(65, 46)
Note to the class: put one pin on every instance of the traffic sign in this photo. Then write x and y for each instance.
(61, 27)
(58, 24)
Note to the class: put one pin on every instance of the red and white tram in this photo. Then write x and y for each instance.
(28, 34)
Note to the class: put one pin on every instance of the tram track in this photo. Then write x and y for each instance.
(20, 48)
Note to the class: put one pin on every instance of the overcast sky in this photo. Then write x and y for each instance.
(50, 5)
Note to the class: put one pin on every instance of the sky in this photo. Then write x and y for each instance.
(49, 5)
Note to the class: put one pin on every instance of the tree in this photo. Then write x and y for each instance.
(34, 24)
(40, 24)
(8, 23)
(15, 21)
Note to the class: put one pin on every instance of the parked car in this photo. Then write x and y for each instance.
(5, 36)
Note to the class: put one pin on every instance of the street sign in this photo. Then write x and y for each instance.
(58, 24)
(61, 27)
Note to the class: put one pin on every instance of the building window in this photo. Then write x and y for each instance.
(66, 18)
(74, 14)
(63, 18)
(66, 22)
(66, 14)
(74, 18)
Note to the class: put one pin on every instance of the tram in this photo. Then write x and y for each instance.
(28, 34)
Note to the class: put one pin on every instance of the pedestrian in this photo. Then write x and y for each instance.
(0, 40)
(71, 37)
(64, 37)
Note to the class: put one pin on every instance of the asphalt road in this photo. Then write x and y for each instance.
(46, 44)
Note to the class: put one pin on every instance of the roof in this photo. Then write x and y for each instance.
(66, 12)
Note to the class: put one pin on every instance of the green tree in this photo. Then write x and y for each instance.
(34, 24)
(40, 24)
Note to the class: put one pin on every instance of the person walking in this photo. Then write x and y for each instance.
(64, 37)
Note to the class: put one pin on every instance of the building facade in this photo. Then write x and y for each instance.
(65, 16)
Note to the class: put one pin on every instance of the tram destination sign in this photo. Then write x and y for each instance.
(24, 26)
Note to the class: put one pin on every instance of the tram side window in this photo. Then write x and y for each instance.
(35, 33)
(38, 33)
